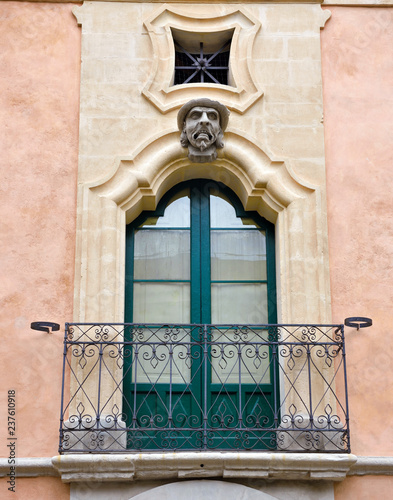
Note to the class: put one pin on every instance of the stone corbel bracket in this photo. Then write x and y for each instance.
(244, 90)
(188, 465)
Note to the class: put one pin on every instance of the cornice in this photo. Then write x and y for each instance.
(237, 2)
(339, 3)
(329, 3)
(29, 467)
(184, 465)
(192, 465)
(372, 466)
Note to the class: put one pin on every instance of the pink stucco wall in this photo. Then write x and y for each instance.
(39, 112)
(364, 488)
(357, 58)
(37, 488)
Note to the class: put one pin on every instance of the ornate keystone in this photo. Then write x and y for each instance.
(202, 123)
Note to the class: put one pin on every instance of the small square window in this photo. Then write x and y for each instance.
(201, 57)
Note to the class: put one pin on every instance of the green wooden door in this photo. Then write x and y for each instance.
(200, 259)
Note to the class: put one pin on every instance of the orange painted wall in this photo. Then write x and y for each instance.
(39, 113)
(364, 488)
(357, 51)
(37, 488)
(357, 58)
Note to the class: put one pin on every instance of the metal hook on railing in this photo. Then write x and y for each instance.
(358, 322)
(45, 326)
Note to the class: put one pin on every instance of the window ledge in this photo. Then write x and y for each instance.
(191, 465)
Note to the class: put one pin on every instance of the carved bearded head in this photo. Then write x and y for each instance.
(202, 123)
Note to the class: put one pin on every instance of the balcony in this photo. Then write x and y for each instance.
(276, 388)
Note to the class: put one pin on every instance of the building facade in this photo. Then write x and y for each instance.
(92, 159)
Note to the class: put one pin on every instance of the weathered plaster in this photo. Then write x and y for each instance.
(357, 47)
(39, 110)
(364, 488)
(42, 53)
(42, 488)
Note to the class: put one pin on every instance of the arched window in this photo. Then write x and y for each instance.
(200, 282)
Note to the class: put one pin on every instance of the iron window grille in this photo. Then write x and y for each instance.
(202, 67)
(111, 405)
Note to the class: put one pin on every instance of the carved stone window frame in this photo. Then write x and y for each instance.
(243, 91)
(113, 190)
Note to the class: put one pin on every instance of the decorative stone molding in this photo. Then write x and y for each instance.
(372, 466)
(244, 90)
(352, 3)
(29, 467)
(183, 465)
(116, 467)
(262, 184)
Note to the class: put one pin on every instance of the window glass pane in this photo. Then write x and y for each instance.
(177, 212)
(238, 255)
(161, 303)
(223, 214)
(239, 303)
(162, 254)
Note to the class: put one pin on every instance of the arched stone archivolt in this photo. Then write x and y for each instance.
(262, 184)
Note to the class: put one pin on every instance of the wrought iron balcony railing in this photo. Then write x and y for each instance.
(129, 387)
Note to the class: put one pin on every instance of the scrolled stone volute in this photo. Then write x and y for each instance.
(202, 123)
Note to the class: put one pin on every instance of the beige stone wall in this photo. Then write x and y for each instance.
(129, 143)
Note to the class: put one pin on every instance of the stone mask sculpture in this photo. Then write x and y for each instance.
(202, 123)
